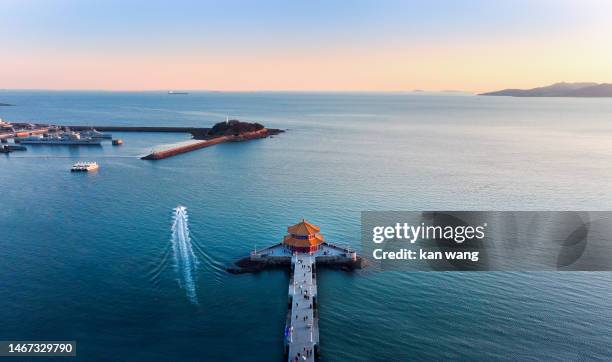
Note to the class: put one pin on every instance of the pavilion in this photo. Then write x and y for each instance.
(303, 237)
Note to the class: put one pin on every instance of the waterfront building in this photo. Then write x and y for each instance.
(5, 126)
(303, 237)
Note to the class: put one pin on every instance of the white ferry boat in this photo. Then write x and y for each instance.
(84, 167)
(63, 138)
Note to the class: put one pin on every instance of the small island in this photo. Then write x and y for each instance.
(6, 105)
(562, 89)
(228, 131)
(237, 128)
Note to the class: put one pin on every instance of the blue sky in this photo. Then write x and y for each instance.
(272, 22)
(180, 31)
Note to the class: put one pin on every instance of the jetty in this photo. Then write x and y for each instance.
(228, 131)
(178, 149)
(302, 249)
(210, 141)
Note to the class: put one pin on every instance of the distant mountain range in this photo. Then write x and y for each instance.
(559, 90)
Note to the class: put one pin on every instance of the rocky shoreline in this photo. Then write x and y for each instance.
(237, 130)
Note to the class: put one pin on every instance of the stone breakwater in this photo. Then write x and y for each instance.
(158, 155)
(173, 151)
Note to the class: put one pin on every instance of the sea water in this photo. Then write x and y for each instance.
(85, 256)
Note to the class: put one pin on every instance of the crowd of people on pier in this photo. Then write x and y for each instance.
(306, 295)
(303, 355)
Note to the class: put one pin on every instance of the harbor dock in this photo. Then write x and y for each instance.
(302, 249)
(228, 131)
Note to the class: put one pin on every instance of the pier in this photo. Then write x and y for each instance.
(303, 249)
(302, 329)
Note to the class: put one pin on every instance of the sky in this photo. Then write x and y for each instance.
(303, 45)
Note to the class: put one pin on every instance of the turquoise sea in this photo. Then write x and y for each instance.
(87, 257)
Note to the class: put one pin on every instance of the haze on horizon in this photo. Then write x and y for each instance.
(361, 45)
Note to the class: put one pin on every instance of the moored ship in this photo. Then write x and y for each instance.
(64, 138)
(95, 134)
(11, 148)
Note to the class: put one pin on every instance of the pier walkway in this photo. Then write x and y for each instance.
(303, 325)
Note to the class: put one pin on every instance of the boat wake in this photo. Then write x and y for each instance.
(159, 268)
(208, 261)
(185, 260)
